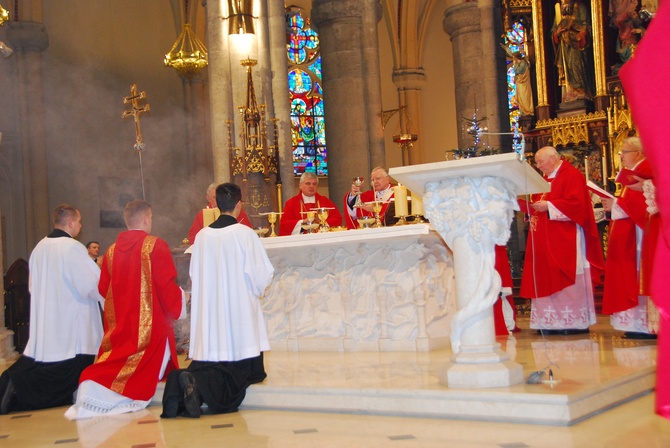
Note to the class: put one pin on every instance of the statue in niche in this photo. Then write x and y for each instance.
(571, 35)
(631, 25)
(524, 89)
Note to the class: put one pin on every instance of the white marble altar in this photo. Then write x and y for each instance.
(379, 289)
(470, 202)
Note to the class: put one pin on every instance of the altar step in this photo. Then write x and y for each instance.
(592, 373)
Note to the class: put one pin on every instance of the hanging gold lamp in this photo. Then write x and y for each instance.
(4, 15)
(188, 55)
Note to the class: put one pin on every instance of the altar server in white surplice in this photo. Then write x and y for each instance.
(65, 324)
(230, 271)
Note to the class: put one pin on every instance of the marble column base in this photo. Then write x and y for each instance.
(477, 366)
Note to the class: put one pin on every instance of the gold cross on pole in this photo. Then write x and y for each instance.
(135, 112)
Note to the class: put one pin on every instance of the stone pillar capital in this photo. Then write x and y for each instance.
(409, 78)
(461, 19)
(27, 36)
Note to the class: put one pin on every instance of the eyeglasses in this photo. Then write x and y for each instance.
(627, 151)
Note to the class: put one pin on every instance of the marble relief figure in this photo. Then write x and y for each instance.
(389, 296)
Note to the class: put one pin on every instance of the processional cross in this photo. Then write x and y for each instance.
(135, 112)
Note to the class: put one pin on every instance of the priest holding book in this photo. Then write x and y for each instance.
(632, 313)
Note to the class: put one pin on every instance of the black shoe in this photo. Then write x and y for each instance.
(639, 335)
(191, 400)
(8, 398)
(571, 331)
(564, 332)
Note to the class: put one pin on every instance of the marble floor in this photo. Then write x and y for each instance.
(351, 383)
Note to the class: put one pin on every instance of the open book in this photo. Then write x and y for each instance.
(598, 190)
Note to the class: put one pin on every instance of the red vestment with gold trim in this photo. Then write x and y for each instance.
(142, 299)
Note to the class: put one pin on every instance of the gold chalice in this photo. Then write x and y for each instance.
(358, 181)
(322, 214)
(377, 208)
(272, 219)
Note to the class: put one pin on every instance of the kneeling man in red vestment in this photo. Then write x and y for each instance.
(142, 300)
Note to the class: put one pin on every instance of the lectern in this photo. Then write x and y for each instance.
(471, 202)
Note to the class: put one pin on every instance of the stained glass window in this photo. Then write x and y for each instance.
(514, 40)
(308, 130)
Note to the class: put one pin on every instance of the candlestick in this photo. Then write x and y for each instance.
(400, 196)
(586, 167)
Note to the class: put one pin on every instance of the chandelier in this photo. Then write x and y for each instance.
(188, 55)
(404, 138)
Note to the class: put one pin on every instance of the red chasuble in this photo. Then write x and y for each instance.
(295, 206)
(621, 275)
(550, 263)
(645, 82)
(142, 300)
(366, 196)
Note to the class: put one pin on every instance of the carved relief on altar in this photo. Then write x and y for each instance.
(396, 296)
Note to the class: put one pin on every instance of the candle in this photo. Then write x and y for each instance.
(400, 196)
(586, 167)
(417, 205)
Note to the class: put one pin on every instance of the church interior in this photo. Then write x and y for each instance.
(105, 102)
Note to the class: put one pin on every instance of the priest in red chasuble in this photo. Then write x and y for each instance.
(630, 311)
(563, 253)
(382, 191)
(142, 300)
(308, 199)
(644, 78)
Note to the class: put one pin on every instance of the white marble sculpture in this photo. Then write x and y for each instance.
(470, 202)
(347, 293)
(472, 215)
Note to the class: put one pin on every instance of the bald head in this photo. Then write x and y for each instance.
(547, 159)
(380, 178)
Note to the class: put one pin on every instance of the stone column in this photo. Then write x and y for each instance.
(351, 88)
(479, 70)
(282, 108)
(220, 89)
(228, 89)
(29, 40)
